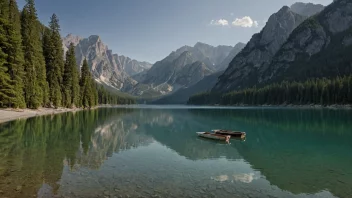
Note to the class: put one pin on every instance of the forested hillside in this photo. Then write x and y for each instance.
(314, 91)
(33, 71)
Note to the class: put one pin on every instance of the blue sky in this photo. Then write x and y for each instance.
(148, 30)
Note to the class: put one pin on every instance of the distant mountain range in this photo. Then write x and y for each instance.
(185, 67)
(299, 42)
(182, 68)
(182, 95)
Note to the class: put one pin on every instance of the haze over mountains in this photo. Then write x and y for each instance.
(182, 68)
(298, 42)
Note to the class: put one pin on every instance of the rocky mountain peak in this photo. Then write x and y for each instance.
(319, 47)
(260, 49)
(306, 9)
(94, 38)
(240, 45)
(202, 45)
(71, 38)
(107, 68)
(278, 28)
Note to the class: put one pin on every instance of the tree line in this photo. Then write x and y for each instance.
(106, 97)
(314, 91)
(33, 71)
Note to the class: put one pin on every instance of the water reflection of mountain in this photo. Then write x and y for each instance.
(176, 129)
(301, 151)
(116, 131)
(32, 151)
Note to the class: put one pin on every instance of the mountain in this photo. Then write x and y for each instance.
(132, 67)
(107, 68)
(259, 51)
(225, 63)
(182, 68)
(319, 47)
(182, 72)
(181, 96)
(306, 9)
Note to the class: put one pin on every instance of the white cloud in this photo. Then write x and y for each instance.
(245, 22)
(220, 22)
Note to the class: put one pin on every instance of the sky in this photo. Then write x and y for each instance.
(149, 30)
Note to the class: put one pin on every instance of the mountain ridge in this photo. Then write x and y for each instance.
(108, 68)
(259, 51)
(191, 64)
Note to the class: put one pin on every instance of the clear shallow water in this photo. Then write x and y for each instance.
(144, 152)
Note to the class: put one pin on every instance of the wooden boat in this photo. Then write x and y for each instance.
(214, 136)
(234, 134)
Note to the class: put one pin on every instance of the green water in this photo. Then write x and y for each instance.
(144, 152)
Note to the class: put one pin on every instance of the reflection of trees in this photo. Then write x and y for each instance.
(301, 151)
(32, 151)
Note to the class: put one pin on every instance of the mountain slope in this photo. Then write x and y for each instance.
(225, 63)
(132, 67)
(320, 47)
(181, 96)
(107, 68)
(258, 53)
(181, 69)
(182, 72)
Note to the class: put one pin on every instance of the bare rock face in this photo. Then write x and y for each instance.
(70, 38)
(182, 68)
(338, 19)
(132, 67)
(107, 68)
(225, 63)
(306, 9)
(259, 50)
(319, 47)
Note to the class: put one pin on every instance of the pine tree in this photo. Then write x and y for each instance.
(15, 54)
(53, 53)
(70, 79)
(67, 80)
(85, 85)
(94, 95)
(35, 78)
(75, 78)
(6, 86)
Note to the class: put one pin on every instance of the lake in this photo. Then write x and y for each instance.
(153, 151)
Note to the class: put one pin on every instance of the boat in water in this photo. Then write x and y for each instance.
(214, 136)
(233, 134)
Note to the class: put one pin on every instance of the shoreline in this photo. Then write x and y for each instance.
(7, 115)
(342, 107)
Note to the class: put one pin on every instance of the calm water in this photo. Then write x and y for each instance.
(143, 152)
